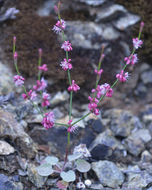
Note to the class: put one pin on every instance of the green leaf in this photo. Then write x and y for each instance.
(68, 176)
(45, 169)
(74, 157)
(51, 160)
(82, 165)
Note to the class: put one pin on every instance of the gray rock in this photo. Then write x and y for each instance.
(141, 90)
(108, 11)
(124, 22)
(10, 128)
(9, 14)
(7, 184)
(59, 97)
(107, 138)
(58, 113)
(8, 163)
(47, 8)
(97, 186)
(146, 156)
(108, 173)
(137, 179)
(147, 115)
(144, 67)
(147, 118)
(34, 177)
(35, 118)
(92, 2)
(122, 122)
(135, 142)
(82, 34)
(146, 77)
(6, 80)
(5, 148)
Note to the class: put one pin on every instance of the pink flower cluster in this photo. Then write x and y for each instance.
(122, 77)
(66, 46)
(98, 72)
(43, 67)
(59, 26)
(99, 91)
(137, 43)
(19, 80)
(66, 64)
(132, 59)
(93, 105)
(45, 99)
(71, 129)
(73, 87)
(48, 120)
(40, 85)
(30, 95)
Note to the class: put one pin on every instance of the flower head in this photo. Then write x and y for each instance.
(105, 88)
(45, 101)
(19, 80)
(98, 72)
(59, 26)
(82, 149)
(109, 92)
(48, 120)
(71, 129)
(73, 87)
(41, 85)
(30, 95)
(66, 46)
(132, 59)
(137, 43)
(66, 64)
(122, 77)
(93, 105)
(43, 67)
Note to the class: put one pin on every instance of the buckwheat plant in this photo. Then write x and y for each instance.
(78, 161)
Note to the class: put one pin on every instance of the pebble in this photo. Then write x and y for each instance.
(108, 173)
(5, 148)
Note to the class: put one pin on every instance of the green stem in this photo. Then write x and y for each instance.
(70, 112)
(13, 47)
(81, 118)
(69, 77)
(39, 72)
(68, 139)
(71, 95)
(62, 124)
(16, 67)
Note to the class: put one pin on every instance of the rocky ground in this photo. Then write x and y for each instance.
(119, 139)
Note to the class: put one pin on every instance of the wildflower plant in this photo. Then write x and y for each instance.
(78, 161)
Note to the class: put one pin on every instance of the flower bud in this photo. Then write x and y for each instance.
(15, 55)
(14, 39)
(141, 26)
(40, 52)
